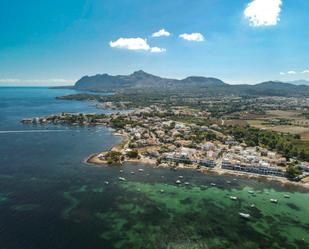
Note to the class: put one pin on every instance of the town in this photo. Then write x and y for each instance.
(181, 137)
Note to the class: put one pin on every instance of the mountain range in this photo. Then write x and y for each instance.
(299, 82)
(141, 81)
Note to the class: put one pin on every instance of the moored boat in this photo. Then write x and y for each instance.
(244, 215)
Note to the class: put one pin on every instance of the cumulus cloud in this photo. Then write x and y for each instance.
(263, 12)
(130, 43)
(157, 50)
(161, 32)
(135, 44)
(192, 37)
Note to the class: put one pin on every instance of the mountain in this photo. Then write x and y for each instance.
(141, 81)
(299, 82)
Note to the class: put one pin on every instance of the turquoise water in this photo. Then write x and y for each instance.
(50, 199)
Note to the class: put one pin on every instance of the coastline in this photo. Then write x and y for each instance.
(94, 159)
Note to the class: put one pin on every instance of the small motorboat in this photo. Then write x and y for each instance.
(178, 182)
(286, 196)
(251, 192)
(252, 205)
(132, 172)
(274, 200)
(121, 171)
(212, 184)
(162, 191)
(140, 170)
(181, 177)
(121, 178)
(234, 198)
(244, 215)
(187, 183)
(106, 182)
(229, 182)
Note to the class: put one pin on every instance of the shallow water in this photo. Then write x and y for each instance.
(50, 199)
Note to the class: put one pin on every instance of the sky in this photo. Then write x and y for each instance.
(56, 42)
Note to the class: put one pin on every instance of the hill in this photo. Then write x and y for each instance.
(299, 82)
(141, 81)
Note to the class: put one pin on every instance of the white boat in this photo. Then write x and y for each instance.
(244, 215)
(286, 196)
(162, 191)
(252, 205)
(178, 181)
(181, 177)
(121, 178)
(212, 184)
(187, 183)
(251, 192)
(234, 198)
(106, 182)
(121, 171)
(132, 172)
(140, 170)
(274, 200)
(229, 182)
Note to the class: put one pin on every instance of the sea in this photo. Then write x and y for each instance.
(51, 199)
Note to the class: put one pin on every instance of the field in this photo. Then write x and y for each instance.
(298, 125)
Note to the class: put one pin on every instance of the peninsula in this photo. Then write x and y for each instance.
(187, 138)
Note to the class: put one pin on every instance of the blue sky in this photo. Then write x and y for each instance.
(56, 42)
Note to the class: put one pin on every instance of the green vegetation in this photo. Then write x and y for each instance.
(288, 145)
(113, 157)
(132, 154)
(293, 171)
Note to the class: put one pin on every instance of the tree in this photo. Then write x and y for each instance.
(292, 171)
(132, 154)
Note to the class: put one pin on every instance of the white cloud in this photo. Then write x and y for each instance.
(291, 72)
(161, 32)
(263, 12)
(157, 50)
(288, 73)
(305, 71)
(192, 37)
(135, 44)
(130, 43)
